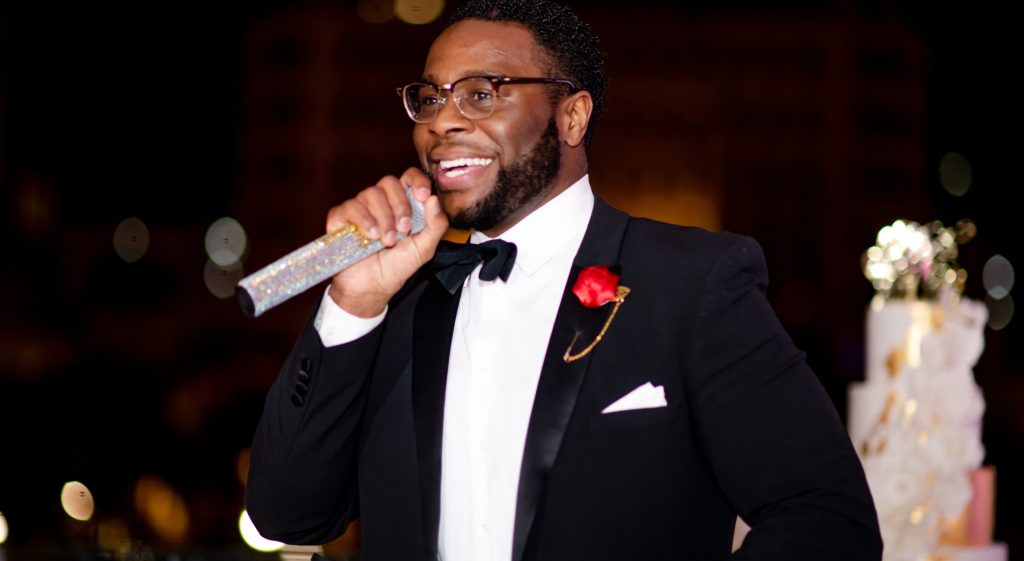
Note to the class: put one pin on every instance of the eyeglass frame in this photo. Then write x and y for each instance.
(496, 82)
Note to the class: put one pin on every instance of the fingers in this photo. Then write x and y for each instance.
(419, 182)
(435, 226)
(416, 181)
(435, 221)
(435, 218)
(389, 205)
(381, 212)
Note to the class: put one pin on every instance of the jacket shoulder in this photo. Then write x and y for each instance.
(694, 244)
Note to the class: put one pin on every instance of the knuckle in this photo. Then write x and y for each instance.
(387, 180)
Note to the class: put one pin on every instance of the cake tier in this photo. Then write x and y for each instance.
(996, 551)
(893, 337)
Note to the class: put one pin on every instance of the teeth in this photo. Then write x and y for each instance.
(464, 162)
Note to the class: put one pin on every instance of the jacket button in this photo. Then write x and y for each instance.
(303, 377)
(301, 389)
(306, 364)
(297, 400)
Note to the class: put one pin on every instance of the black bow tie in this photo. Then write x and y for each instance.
(453, 262)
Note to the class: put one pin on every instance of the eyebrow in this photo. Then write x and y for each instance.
(486, 73)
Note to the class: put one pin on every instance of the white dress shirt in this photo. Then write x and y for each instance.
(498, 346)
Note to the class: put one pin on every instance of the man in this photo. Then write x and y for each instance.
(501, 418)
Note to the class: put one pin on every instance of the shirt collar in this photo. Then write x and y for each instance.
(545, 232)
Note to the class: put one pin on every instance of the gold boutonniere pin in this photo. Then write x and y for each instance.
(595, 287)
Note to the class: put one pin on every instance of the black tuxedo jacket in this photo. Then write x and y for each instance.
(354, 431)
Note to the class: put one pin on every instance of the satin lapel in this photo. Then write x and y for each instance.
(560, 381)
(432, 341)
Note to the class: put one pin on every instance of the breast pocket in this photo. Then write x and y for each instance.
(636, 417)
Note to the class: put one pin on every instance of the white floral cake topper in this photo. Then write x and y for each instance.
(915, 261)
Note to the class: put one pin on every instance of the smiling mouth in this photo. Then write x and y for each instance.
(460, 166)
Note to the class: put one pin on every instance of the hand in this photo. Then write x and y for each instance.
(382, 212)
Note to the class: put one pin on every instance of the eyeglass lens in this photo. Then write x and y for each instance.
(473, 96)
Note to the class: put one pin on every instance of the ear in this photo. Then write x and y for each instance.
(573, 117)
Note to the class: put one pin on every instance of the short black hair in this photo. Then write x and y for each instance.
(573, 47)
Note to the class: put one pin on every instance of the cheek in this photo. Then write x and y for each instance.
(515, 137)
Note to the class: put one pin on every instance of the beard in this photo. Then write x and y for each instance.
(518, 184)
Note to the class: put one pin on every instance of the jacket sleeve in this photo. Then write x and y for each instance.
(772, 434)
(302, 483)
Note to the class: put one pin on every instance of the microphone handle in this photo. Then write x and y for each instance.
(311, 264)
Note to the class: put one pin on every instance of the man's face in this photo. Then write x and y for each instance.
(490, 173)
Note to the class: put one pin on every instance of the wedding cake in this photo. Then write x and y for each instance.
(916, 419)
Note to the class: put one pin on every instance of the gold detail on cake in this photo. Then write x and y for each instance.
(922, 438)
(920, 325)
(909, 409)
(938, 557)
(890, 401)
(922, 320)
(929, 478)
(894, 362)
(917, 514)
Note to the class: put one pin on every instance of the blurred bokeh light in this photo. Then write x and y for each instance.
(131, 239)
(221, 279)
(1000, 312)
(242, 466)
(163, 508)
(77, 501)
(112, 534)
(955, 174)
(418, 12)
(252, 536)
(226, 242)
(36, 209)
(998, 277)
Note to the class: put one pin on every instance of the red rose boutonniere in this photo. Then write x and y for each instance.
(596, 286)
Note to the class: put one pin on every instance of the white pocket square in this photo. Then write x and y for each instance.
(646, 396)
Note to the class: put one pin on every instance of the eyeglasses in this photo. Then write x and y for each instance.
(474, 95)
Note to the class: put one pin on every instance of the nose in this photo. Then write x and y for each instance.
(449, 118)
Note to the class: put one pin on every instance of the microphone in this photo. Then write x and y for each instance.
(312, 263)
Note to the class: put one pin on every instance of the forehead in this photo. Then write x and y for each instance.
(483, 47)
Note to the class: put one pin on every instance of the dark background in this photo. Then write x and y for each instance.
(179, 113)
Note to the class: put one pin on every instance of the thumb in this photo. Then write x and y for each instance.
(435, 226)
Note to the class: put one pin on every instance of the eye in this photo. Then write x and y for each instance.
(428, 100)
(481, 95)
